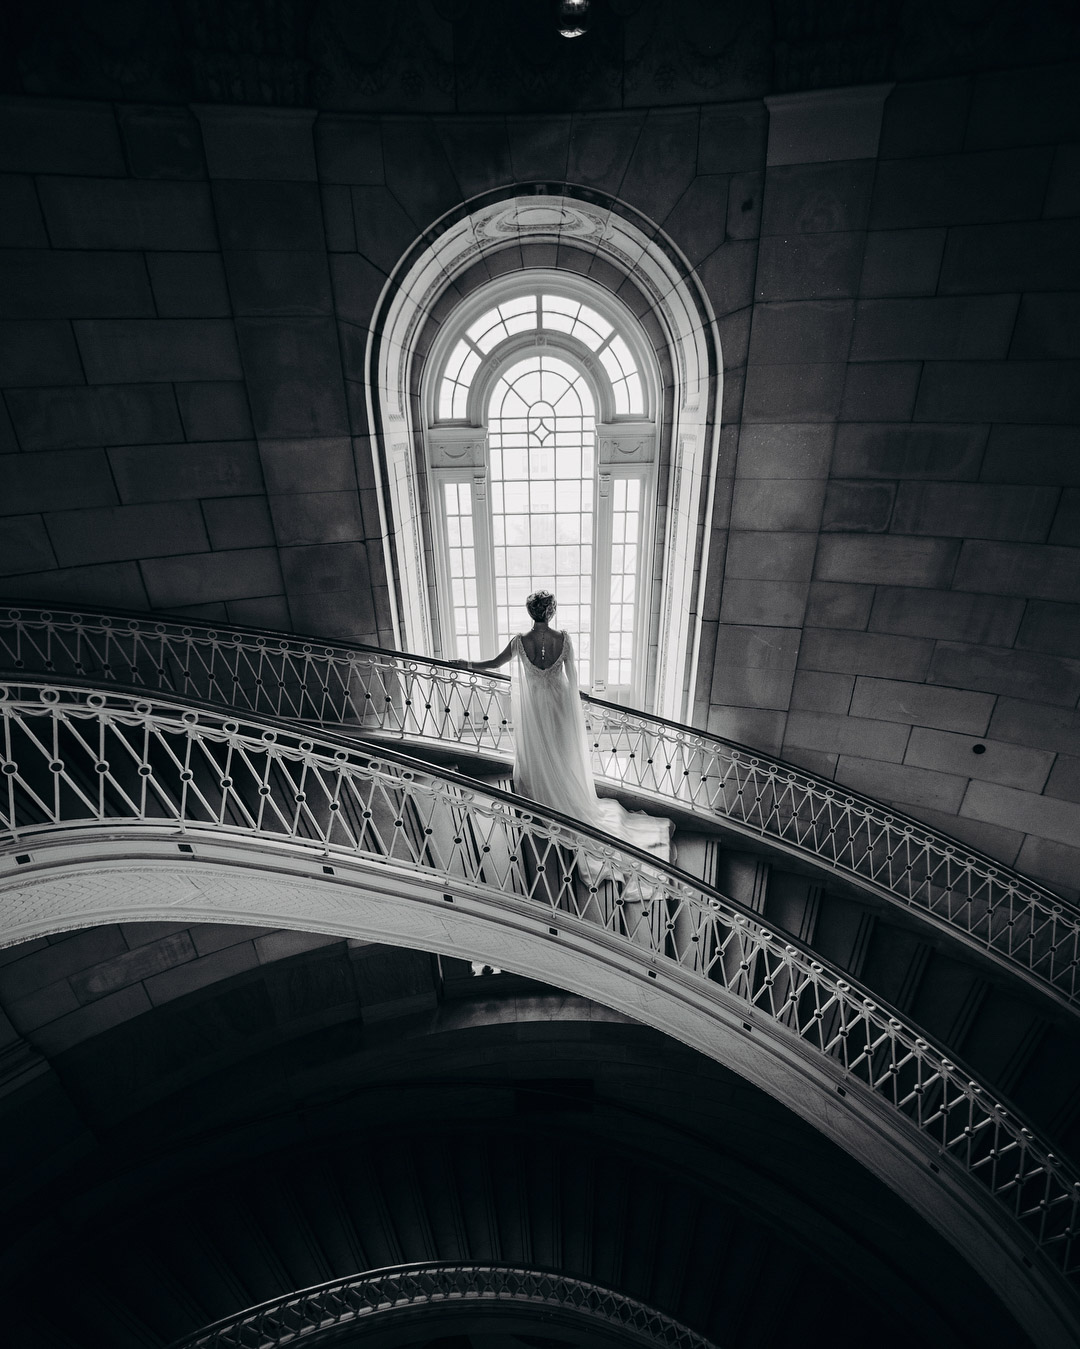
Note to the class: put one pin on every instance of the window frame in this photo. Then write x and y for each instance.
(626, 446)
(541, 281)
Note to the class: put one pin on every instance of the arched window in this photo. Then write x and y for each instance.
(541, 447)
(444, 332)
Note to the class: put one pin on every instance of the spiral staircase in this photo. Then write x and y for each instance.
(912, 1001)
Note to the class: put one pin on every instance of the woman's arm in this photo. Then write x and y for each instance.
(496, 661)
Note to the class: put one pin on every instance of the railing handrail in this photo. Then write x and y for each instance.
(345, 744)
(336, 645)
(533, 1284)
(841, 1007)
(1053, 967)
(531, 811)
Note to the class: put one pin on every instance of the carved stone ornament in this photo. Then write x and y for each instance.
(458, 447)
(624, 443)
(539, 216)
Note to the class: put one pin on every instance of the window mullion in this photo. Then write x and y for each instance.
(601, 582)
(642, 561)
(456, 564)
(485, 556)
(646, 535)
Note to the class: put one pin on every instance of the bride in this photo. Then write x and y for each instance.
(551, 755)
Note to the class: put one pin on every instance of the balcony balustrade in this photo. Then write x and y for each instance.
(78, 763)
(363, 1302)
(428, 704)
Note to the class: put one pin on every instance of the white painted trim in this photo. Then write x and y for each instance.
(681, 308)
(79, 880)
(550, 281)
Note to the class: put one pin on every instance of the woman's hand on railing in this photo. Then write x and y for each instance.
(460, 664)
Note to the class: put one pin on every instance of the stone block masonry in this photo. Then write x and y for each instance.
(69, 989)
(185, 300)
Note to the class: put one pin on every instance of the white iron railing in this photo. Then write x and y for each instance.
(388, 695)
(317, 1313)
(71, 758)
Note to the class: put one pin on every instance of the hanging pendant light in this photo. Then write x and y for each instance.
(573, 17)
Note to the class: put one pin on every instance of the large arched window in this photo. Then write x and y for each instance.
(616, 302)
(541, 447)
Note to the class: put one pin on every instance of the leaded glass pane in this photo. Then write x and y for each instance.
(625, 538)
(541, 428)
(461, 558)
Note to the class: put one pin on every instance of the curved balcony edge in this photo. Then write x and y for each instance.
(111, 770)
(1017, 923)
(320, 1312)
(142, 878)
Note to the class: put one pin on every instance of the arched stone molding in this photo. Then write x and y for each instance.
(516, 232)
(80, 879)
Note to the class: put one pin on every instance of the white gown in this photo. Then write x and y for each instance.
(551, 753)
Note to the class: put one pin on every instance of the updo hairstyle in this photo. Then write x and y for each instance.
(541, 605)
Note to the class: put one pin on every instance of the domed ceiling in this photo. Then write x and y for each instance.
(489, 55)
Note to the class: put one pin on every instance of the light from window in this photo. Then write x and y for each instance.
(457, 503)
(460, 368)
(625, 543)
(515, 316)
(576, 319)
(552, 313)
(541, 434)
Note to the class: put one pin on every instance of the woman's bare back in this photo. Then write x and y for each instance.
(543, 649)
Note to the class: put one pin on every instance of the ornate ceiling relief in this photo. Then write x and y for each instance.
(695, 51)
(505, 56)
(133, 51)
(250, 53)
(397, 56)
(510, 57)
(832, 46)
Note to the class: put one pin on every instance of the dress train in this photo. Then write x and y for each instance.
(551, 759)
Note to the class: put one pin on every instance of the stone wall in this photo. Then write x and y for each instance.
(895, 568)
(897, 606)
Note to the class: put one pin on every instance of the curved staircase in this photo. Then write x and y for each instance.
(931, 984)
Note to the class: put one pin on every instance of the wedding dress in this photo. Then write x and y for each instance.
(551, 752)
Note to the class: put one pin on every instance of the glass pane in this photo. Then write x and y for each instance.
(626, 536)
(541, 429)
(469, 367)
(622, 354)
(457, 359)
(611, 365)
(558, 304)
(521, 323)
(634, 397)
(591, 328)
(489, 322)
(461, 563)
(524, 304)
(497, 333)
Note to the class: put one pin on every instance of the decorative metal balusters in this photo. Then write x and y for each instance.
(363, 1298)
(384, 694)
(70, 758)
